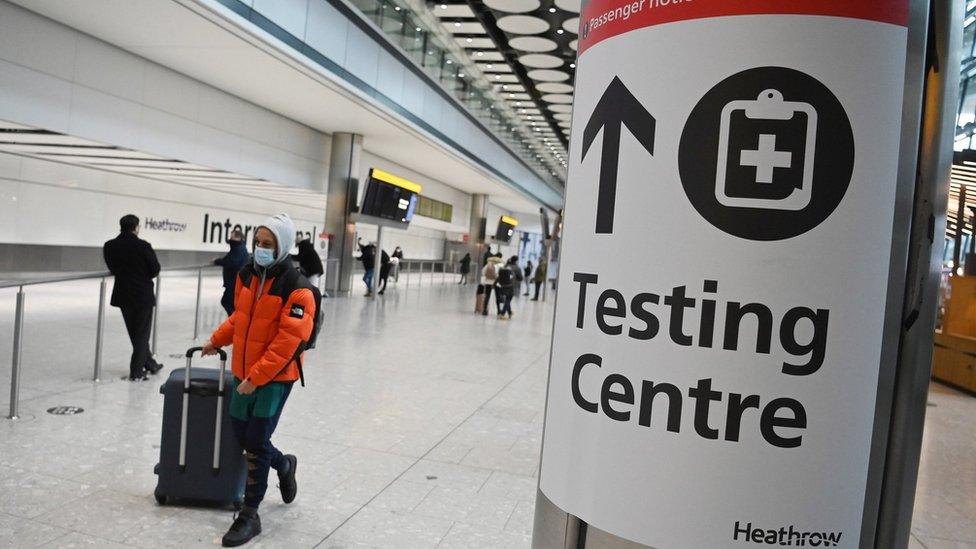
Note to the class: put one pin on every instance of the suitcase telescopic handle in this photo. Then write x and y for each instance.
(186, 404)
(193, 350)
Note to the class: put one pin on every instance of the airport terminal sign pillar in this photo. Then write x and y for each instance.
(342, 190)
(736, 285)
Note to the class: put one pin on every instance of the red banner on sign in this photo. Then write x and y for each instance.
(603, 19)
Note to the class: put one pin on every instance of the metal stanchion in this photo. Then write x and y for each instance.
(18, 350)
(100, 331)
(155, 322)
(408, 274)
(196, 311)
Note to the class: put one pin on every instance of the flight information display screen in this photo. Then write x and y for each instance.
(389, 197)
(506, 228)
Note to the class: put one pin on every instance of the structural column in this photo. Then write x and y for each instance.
(343, 188)
(477, 232)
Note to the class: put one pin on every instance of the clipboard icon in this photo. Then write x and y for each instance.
(765, 153)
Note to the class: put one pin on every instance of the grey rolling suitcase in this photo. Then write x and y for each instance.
(200, 461)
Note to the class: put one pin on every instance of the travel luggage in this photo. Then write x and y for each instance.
(479, 303)
(200, 461)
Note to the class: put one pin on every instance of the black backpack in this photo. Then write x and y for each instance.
(505, 277)
(283, 286)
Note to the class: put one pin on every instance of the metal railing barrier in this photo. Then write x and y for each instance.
(18, 346)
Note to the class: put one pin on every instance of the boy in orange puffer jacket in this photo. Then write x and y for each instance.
(268, 330)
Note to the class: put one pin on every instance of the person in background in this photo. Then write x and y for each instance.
(484, 259)
(398, 255)
(527, 274)
(385, 266)
(489, 274)
(268, 330)
(465, 268)
(134, 265)
(232, 263)
(539, 278)
(309, 262)
(505, 289)
(368, 257)
(517, 275)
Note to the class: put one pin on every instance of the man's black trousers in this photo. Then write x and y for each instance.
(138, 322)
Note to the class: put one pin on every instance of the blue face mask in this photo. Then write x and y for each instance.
(264, 256)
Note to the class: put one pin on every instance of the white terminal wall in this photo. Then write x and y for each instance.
(51, 203)
(59, 79)
(56, 78)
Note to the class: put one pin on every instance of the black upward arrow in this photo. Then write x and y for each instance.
(617, 107)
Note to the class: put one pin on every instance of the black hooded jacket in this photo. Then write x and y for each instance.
(233, 262)
(308, 259)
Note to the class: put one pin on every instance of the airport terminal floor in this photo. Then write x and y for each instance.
(420, 426)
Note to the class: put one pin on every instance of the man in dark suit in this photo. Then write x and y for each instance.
(133, 263)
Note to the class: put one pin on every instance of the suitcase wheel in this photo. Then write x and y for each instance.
(160, 498)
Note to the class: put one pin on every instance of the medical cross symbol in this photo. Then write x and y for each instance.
(766, 158)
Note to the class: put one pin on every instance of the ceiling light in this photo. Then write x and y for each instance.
(419, 29)
(497, 76)
(489, 65)
(468, 40)
(459, 24)
(443, 6)
(430, 53)
(461, 74)
(511, 95)
(480, 53)
(397, 8)
(552, 10)
(572, 65)
(558, 31)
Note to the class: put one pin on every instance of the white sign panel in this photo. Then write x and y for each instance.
(724, 270)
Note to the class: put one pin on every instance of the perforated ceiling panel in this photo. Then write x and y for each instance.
(532, 48)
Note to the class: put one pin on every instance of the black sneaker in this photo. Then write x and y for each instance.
(247, 525)
(286, 480)
(154, 368)
(142, 377)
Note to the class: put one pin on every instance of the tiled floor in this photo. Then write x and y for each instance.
(420, 427)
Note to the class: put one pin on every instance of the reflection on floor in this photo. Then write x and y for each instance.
(420, 427)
